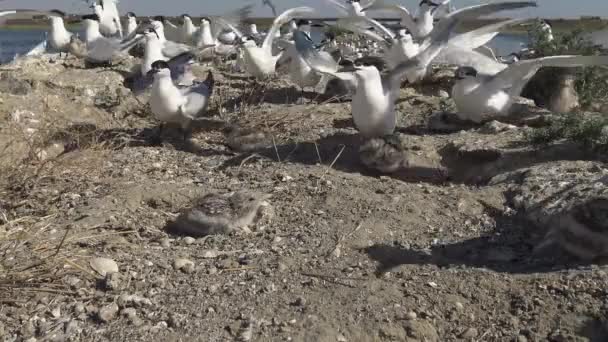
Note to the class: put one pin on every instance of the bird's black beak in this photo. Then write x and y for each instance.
(349, 68)
(153, 72)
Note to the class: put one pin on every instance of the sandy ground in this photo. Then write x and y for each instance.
(342, 253)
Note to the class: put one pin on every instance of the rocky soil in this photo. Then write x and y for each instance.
(340, 253)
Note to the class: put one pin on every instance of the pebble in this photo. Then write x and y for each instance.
(131, 315)
(459, 306)
(188, 240)
(165, 243)
(125, 300)
(108, 312)
(56, 312)
(184, 265)
(411, 316)
(469, 333)
(104, 266)
(443, 94)
(522, 338)
(79, 308)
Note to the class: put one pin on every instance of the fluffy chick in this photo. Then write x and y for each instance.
(385, 154)
(246, 139)
(221, 213)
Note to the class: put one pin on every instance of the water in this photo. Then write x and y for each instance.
(22, 42)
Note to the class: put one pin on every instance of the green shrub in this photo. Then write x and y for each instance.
(591, 82)
(590, 131)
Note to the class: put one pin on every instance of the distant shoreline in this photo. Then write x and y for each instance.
(559, 25)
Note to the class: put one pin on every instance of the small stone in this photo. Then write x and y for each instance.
(131, 315)
(469, 333)
(341, 338)
(522, 338)
(443, 94)
(108, 312)
(459, 306)
(211, 254)
(184, 265)
(104, 266)
(281, 267)
(432, 284)
(188, 240)
(165, 243)
(410, 316)
(56, 312)
(79, 308)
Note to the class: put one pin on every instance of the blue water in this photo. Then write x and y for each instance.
(20, 42)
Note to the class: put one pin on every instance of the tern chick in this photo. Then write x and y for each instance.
(221, 213)
(246, 139)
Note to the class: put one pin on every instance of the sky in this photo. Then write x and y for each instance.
(546, 8)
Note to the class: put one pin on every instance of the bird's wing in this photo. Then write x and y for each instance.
(372, 5)
(405, 15)
(476, 11)
(282, 19)
(197, 98)
(489, 8)
(102, 49)
(339, 6)
(271, 5)
(359, 25)
(172, 31)
(11, 14)
(230, 26)
(444, 4)
(181, 74)
(439, 40)
(481, 36)
(319, 61)
(172, 49)
(518, 74)
(235, 18)
(454, 55)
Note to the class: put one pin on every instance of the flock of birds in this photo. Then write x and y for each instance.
(371, 67)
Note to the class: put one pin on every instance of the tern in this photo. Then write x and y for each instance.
(547, 30)
(259, 60)
(59, 37)
(100, 49)
(299, 71)
(170, 31)
(373, 104)
(353, 7)
(479, 97)
(109, 18)
(177, 105)
(424, 25)
(131, 24)
(188, 30)
(155, 48)
(212, 27)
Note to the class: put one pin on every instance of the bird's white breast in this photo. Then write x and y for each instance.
(373, 111)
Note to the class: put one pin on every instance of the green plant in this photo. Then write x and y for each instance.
(590, 131)
(591, 82)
